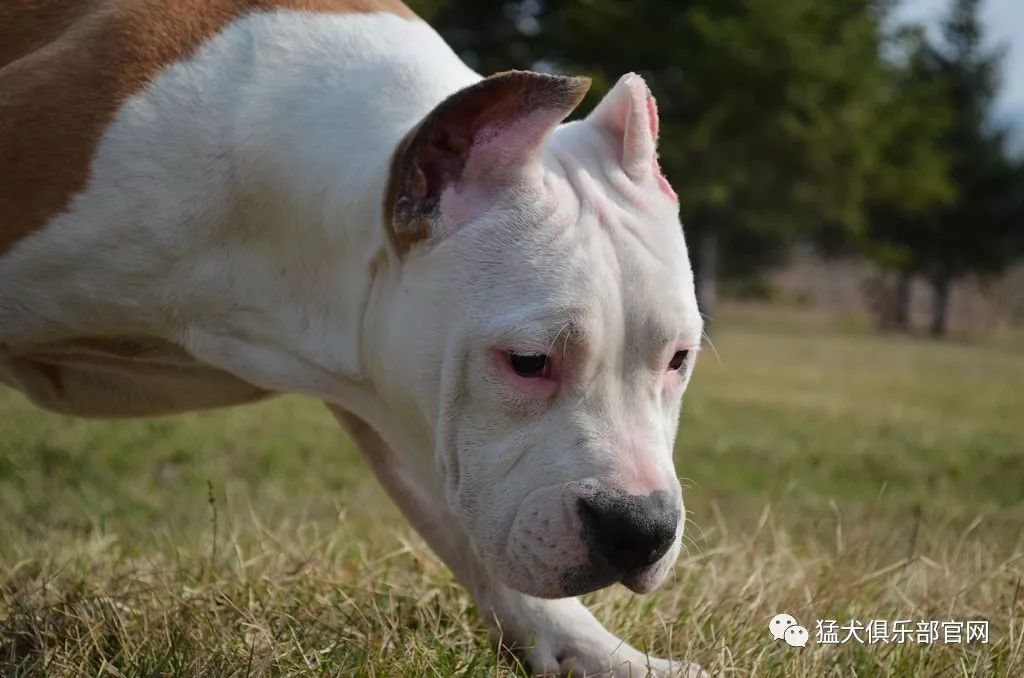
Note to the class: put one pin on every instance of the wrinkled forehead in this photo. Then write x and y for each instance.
(584, 249)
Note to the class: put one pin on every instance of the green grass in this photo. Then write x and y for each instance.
(829, 474)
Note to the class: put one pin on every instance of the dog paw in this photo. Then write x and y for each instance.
(562, 638)
(579, 659)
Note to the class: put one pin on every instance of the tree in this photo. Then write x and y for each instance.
(979, 226)
(913, 178)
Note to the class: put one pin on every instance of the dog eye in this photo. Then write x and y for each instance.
(678, 360)
(528, 365)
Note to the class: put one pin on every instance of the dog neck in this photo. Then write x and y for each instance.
(251, 232)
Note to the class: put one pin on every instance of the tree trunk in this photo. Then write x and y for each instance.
(706, 272)
(941, 288)
(901, 313)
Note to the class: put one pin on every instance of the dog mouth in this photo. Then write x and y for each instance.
(580, 580)
(542, 580)
(569, 557)
(642, 582)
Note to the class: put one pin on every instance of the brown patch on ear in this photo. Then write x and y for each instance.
(433, 154)
(67, 66)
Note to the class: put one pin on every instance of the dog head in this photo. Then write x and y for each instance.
(543, 327)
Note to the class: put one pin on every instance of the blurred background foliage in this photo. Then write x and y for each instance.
(810, 122)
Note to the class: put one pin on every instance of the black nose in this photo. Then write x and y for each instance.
(629, 532)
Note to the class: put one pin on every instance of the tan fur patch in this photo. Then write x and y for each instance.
(66, 68)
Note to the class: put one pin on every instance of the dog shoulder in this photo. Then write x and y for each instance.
(66, 68)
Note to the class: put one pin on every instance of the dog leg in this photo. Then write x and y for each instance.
(556, 637)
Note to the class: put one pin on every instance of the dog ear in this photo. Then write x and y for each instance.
(630, 114)
(486, 136)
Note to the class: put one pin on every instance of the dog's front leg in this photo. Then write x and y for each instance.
(555, 636)
(562, 637)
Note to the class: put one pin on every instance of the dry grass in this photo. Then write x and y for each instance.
(832, 477)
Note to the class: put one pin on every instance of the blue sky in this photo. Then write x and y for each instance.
(1003, 24)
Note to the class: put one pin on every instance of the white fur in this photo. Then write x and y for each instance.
(234, 209)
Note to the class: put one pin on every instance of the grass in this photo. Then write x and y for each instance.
(830, 474)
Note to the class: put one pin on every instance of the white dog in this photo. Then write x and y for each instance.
(205, 202)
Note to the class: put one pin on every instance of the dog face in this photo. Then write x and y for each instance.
(556, 328)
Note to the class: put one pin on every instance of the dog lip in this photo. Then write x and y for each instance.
(587, 579)
(634, 582)
(577, 581)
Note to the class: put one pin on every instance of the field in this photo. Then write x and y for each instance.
(829, 473)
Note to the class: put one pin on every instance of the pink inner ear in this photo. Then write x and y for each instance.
(652, 121)
(503, 154)
(652, 115)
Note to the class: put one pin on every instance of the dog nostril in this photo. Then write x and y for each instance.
(629, 532)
